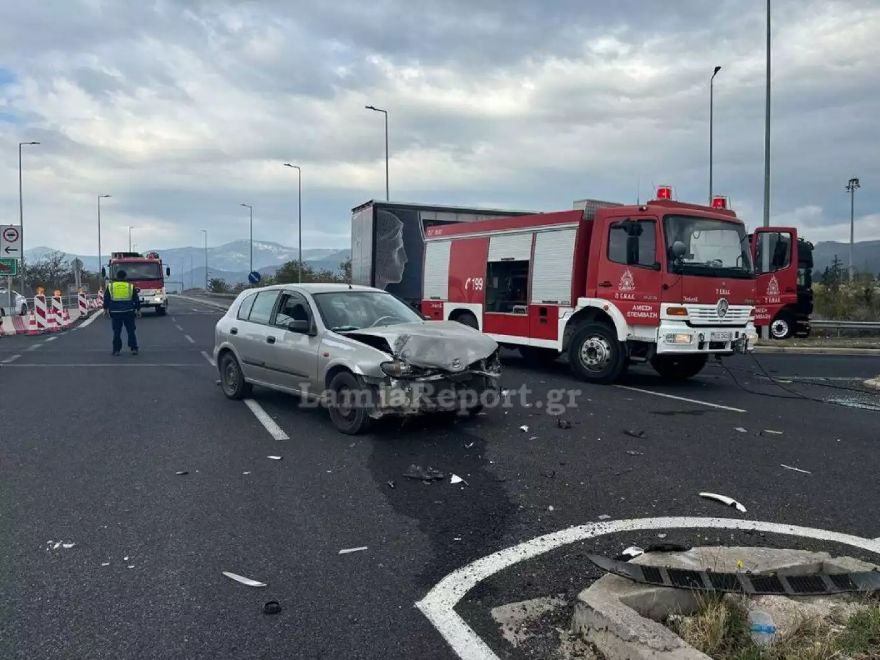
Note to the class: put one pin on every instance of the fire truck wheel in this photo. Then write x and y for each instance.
(537, 355)
(161, 311)
(468, 319)
(679, 367)
(782, 327)
(349, 403)
(231, 379)
(595, 355)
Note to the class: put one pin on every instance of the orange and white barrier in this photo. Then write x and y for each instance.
(83, 304)
(42, 313)
(32, 325)
(57, 315)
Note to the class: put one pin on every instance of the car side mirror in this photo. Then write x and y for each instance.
(299, 325)
(167, 271)
(656, 266)
(679, 249)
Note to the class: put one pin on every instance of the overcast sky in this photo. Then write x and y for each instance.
(181, 110)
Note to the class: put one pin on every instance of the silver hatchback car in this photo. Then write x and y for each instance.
(361, 351)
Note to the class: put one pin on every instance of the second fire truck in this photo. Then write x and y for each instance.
(666, 282)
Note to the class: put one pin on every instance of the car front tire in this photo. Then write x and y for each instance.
(350, 403)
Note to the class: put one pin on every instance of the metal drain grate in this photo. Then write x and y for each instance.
(766, 584)
(806, 584)
(685, 579)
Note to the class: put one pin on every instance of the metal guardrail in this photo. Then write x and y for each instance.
(845, 325)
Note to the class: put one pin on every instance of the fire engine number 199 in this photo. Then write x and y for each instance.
(475, 283)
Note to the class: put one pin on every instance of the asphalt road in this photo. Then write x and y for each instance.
(90, 446)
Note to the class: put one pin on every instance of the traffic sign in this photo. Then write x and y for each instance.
(254, 277)
(8, 267)
(10, 241)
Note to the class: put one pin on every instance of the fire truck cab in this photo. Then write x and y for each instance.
(784, 285)
(665, 282)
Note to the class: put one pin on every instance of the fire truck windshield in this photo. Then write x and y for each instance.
(138, 270)
(712, 248)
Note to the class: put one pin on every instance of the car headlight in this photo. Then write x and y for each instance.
(398, 369)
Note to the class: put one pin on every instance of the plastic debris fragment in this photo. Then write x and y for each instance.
(604, 516)
(348, 551)
(243, 580)
(724, 499)
(455, 479)
(274, 458)
(740, 429)
(181, 473)
(524, 428)
(794, 469)
(424, 474)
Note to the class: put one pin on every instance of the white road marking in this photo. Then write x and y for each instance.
(48, 339)
(681, 398)
(33, 348)
(209, 359)
(81, 365)
(439, 603)
(190, 339)
(91, 320)
(178, 327)
(10, 359)
(264, 419)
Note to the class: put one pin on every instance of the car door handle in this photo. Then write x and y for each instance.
(270, 340)
(233, 331)
(605, 283)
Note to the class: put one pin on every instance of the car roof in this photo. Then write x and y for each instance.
(316, 287)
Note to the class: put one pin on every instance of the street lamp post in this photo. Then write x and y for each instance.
(20, 225)
(851, 187)
(299, 252)
(251, 208)
(129, 237)
(100, 276)
(205, 232)
(384, 112)
(711, 124)
(767, 133)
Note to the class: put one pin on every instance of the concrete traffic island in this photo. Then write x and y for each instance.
(873, 382)
(624, 619)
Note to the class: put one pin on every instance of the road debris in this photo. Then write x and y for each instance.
(524, 428)
(634, 434)
(794, 469)
(181, 473)
(604, 516)
(632, 552)
(469, 445)
(550, 508)
(662, 536)
(505, 392)
(427, 475)
(455, 479)
(243, 580)
(533, 437)
(274, 458)
(633, 452)
(772, 432)
(67, 545)
(390, 483)
(130, 566)
(106, 563)
(456, 538)
(724, 499)
(248, 472)
(348, 551)
(740, 429)
(563, 423)
(272, 607)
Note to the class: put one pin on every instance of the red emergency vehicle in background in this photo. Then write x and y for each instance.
(145, 271)
(665, 282)
(784, 285)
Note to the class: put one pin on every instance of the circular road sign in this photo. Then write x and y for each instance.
(254, 277)
(10, 234)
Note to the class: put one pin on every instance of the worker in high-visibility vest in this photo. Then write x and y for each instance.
(122, 301)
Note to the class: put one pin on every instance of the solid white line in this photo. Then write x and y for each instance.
(81, 365)
(91, 320)
(48, 339)
(681, 398)
(190, 339)
(209, 358)
(439, 604)
(10, 359)
(33, 348)
(264, 418)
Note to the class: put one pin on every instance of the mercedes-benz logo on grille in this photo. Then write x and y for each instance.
(722, 307)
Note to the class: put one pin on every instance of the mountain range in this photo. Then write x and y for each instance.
(866, 255)
(230, 261)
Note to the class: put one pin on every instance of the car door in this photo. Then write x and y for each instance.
(254, 334)
(293, 356)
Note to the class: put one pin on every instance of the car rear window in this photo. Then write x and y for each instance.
(244, 309)
(261, 311)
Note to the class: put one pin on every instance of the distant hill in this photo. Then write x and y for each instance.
(866, 255)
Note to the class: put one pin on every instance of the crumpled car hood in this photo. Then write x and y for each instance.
(445, 345)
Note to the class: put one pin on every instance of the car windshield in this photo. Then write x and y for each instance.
(711, 247)
(354, 310)
(138, 270)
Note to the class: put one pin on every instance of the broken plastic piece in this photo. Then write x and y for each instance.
(724, 499)
(524, 428)
(67, 546)
(348, 551)
(181, 473)
(741, 429)
(424, 474)
(772, 432)
(633, 452)
(469, 445)
(632, 551)
(272, 607)
(634, 434)
(391, 484)
(106, 563)
(604, 516)
(243, 580)
(794, 469)
(274, 458)
(455, 479)
(550, 508)
(563, 423)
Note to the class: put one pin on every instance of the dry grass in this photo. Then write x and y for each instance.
(720, 629)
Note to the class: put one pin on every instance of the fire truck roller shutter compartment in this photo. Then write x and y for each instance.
(551, 277)
(437, 270)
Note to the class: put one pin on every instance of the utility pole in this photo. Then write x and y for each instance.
(100, 276)
(851, 187)
(251, 208)
(711, 122)
(20, 229)
(384, 112)
(299, 216)
(767, 132)
(205, 231)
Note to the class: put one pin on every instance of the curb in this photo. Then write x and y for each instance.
(808, 350)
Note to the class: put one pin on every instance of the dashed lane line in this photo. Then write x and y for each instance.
(264, 419)
(440, 602)
(209, 359)
(681, 398)
(178, 327)
(190, 339)
(10, 359)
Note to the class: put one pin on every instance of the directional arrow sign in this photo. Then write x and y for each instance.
(10, 241)
(8, 267)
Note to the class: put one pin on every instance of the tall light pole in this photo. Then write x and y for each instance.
(205, 232)
(251, 208)
(851, 187)
(767, 132)
(100, 276)
(711, 124)
(129, 237)
(20, 225)
(384, 112)
(299, 252)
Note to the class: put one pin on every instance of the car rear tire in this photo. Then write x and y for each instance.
(595, 354)
(232, 380)
(782, 327)
(468, 319)
(679, 367)
(350, 403)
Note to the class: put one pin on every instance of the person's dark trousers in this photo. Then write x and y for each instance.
(120, 320)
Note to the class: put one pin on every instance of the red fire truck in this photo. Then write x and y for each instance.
(145, 271)
(784, 286)
(666, 282)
